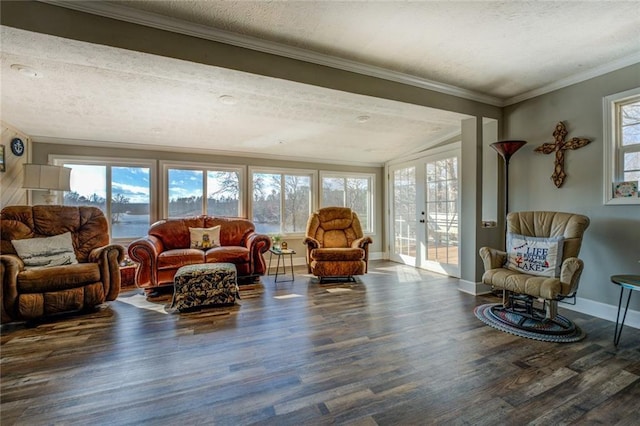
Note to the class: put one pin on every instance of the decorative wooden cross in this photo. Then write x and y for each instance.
(560, 146)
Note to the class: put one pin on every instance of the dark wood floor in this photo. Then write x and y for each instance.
(402, 347)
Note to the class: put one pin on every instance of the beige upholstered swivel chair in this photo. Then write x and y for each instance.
(336, 245)
(526, 272)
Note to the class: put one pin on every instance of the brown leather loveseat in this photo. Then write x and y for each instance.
(168, 246)
(32, 292)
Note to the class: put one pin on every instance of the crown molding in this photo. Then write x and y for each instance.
(201, 151)
(577, 78)
(161, 22)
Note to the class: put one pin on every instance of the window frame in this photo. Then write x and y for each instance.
(203, 167)
(109, 162)
(313, 196)
(613, 151)
(372, 192)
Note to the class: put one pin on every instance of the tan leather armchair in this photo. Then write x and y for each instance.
(550, 289)
(336, 245)
(29, 294)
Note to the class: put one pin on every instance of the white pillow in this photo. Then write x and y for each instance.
(43, 252)
(205, 238)
(534, 255)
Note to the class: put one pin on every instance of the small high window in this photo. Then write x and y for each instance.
(622, 147)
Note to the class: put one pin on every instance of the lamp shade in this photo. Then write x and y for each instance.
(507, 148)
(46, 177)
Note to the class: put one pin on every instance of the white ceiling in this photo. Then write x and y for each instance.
(500, 51)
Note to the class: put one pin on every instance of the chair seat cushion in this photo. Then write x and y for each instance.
(179, 257)
(230, 254)
(56, 278)
(517, 282)
(337, 254)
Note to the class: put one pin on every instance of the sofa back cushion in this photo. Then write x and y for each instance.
(174, 233)
(88, 226)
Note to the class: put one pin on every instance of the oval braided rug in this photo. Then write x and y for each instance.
(545, 331)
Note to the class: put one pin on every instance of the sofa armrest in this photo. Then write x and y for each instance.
(10, 266)
(108, 259)
(570, 272)
(257, 245)
(492, 258)
(145, 252)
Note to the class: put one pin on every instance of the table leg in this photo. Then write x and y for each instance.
(269, 268)
(291, 259)
(278, 268)
(617, 333)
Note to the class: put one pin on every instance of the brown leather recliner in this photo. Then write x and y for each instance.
(336, 245)
(166, 248)
(28, 294)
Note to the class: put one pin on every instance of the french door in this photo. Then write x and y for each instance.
(424, 219)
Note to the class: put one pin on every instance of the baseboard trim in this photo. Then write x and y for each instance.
(473, 288)
(603, 311)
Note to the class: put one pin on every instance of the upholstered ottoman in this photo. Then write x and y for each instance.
(205, 284)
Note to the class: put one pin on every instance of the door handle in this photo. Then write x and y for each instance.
(421, 220)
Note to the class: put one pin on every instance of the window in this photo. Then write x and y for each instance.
(622, 144)
(281, 201)
(187, 184)
(120, 188)
(351, 190)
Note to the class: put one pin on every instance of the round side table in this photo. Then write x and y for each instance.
(630, 282)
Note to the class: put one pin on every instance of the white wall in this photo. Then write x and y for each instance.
(612, 241)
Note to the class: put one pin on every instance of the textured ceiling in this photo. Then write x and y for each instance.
(102, 94)
(500, 48)
(113, 96)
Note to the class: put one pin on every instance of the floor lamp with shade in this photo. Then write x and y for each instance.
(506, 149)
(44, 177)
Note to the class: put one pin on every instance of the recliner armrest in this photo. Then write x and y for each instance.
(108, 259)
(361, 242)
(492, 258)
(10, 266)
(311, 243)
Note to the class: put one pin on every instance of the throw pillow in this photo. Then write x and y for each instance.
(44, 252)
(534, 255)
(205, 238)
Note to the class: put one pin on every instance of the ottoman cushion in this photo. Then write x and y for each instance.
(205, 284)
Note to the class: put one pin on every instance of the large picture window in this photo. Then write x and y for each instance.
(351, 190)
(281, 201)
(622, 145)
(186, 186)
(120, 188)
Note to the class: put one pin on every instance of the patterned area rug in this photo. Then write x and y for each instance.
(560, 331)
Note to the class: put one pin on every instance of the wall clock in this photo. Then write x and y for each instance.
(17, 146)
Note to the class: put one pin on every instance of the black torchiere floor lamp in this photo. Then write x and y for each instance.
(506, 149)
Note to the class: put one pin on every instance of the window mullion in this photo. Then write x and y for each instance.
(109, 196)
(204, 191)
(283, 210)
